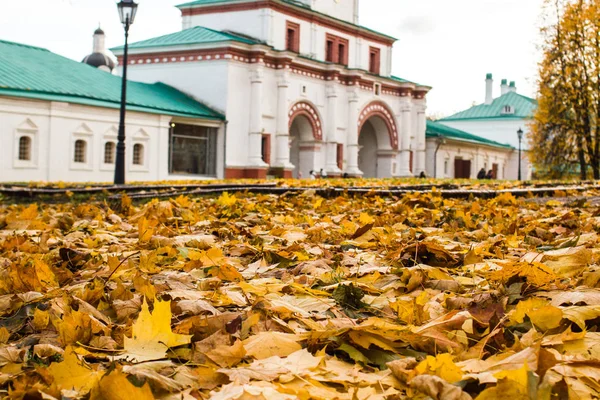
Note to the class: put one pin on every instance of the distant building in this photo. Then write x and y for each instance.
(99, 57)
(499, 119)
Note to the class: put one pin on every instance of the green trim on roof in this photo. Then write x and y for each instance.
(524, 108)
(191, 36)
(36, 73)
(435, 129)
(292, 3)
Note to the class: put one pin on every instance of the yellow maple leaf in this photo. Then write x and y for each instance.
(116, 386)
(442, 366)
(152, 335)
(540, 312)
(227, 200)
(73, 374)
(366, 219)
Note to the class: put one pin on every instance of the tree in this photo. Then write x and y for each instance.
(564, 129)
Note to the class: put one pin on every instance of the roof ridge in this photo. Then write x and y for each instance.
(11, 43)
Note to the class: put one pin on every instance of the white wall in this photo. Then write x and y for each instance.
(342, 9)
(480, 156)
(254, 23)
(55, 127)
(499, 130)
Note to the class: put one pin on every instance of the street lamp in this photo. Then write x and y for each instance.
(127, 11)
(520, 135)
(440, 141)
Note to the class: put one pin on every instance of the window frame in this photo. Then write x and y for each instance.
(141, 156)
(74, 154)
(295, 44)
(113, 155)
(375, 64)
(212, 134)
(30, 130)
(85, 134)
(28, 149)
(333, 55)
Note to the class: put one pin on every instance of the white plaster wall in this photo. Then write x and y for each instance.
(499, 130)
(58, 125)
(480, 156)
(205, 80)
(342, 9)
(254, 23)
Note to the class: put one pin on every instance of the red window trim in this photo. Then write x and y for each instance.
(292, 26)
(375, 67)
(336, 57)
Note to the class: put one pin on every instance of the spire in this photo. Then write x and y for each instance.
(99, 46)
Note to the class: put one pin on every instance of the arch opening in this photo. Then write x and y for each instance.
(377, 156)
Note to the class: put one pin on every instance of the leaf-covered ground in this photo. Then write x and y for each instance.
(300, 297)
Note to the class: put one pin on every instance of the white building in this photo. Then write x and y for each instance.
(498, 119)
(59, 121)
(247, 89)
(302, 85)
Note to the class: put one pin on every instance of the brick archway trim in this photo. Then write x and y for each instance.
(310, 112)
(380, 109)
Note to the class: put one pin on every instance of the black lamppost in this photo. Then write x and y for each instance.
(520, 134)
(127, 11)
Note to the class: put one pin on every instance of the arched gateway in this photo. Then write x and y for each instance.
(306, 134)
(378, 141)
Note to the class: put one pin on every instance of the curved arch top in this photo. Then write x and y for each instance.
(310, 112)
(380, 109)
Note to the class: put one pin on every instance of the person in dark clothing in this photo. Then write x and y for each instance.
(481, 174)
(422, 175)
(490, 175)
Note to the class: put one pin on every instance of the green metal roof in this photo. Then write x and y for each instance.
(195, 35)
(290, 2)
(524, 108)
(36, 73)
(435, 129)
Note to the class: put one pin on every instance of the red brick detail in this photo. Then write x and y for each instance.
(419, 94)
(374, 60)
(310, 112)
(245, 173)
(289, 10)
(380, 109)
(292, 38)
(336, 49)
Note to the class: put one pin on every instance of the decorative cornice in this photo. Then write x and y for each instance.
(289, 10)
(378, 108)
(283, 62)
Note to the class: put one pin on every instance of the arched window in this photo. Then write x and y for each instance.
(138, 154)
(109, 153)
(25, 148)
(80, 151)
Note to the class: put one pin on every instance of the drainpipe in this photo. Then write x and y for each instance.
(225, 149)
(440, 141)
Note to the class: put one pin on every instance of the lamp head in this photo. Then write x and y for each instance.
(520, 134)
(127, 11)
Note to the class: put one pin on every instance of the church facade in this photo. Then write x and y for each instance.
(302, 85)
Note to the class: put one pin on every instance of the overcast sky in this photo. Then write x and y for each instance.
(449, 45)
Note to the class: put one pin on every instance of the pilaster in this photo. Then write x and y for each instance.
(406, 130)
(256, 112)
(331, 166)
(353, 148)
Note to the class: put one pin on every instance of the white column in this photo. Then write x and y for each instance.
(421, 133)
(255, 134)
(283, 135)
(353, 148)
(405, 130)
(331, 166)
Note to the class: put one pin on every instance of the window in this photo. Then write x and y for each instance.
(266, 148)
(446, 168)
(109, 152)
(336, 50)
(292, 37)
(374, 60)
(138, 154)
(340, 156)
(25, 148)
(508, 110)
(80, 151)
(193, 150)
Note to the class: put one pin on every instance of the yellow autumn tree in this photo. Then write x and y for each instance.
(565, 127)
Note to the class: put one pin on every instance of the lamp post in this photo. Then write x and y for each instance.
(127, 11)
(520, 135)
(440, 141)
